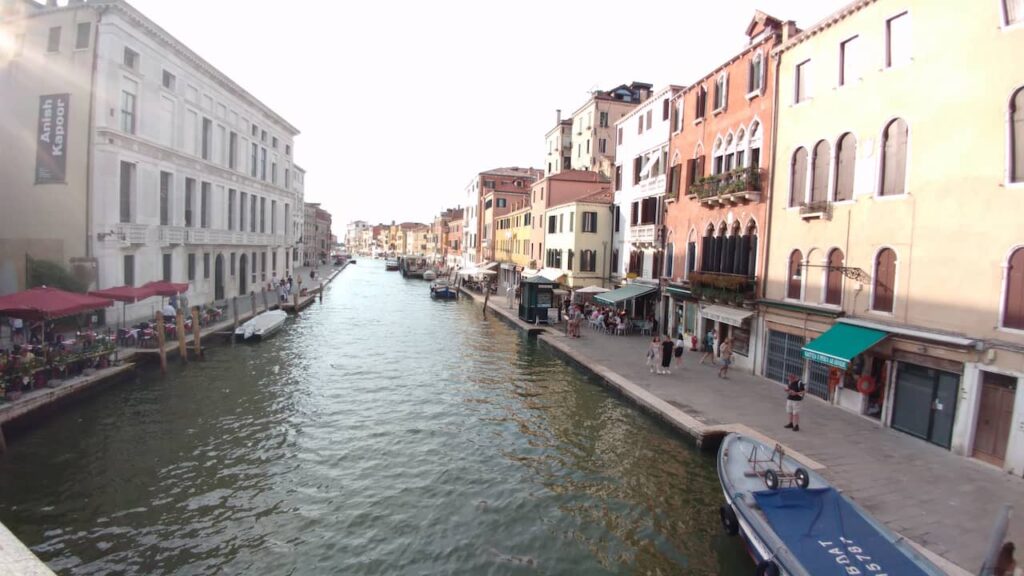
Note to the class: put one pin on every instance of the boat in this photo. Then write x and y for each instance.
(391, 264)
(261, 326)
(795, 522)
(442, 290)
(429, 275)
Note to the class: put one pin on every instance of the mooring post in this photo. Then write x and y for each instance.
(234, 314)
(179, 329)
(321, 292)
(263, 293)
(160, 341)
(252, 298)
(196, 333)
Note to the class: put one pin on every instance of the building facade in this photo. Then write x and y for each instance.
(593, 126)
(558, 142)
(149, 164)
(900, 231)
(317, 243)
(354, 237)
(578, 238)
(555, 190)
(513, 243)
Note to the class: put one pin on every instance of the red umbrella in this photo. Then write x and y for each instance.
(47, 303)
(164, 288)
(128, 294)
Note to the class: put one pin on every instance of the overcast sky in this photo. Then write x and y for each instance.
(400, 103)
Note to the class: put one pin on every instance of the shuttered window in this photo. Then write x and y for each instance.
(846, 155)
(793, 283)
(894, 158)
(834, 278)
(638, 163)
(675, 175)
(885, 281)
(1013, 308)
(819, 178)
(1017, 138)
(1014, 11)
(801, 90)
(798, 178)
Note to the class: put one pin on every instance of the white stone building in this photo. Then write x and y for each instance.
(171, 170)
(471, 224)
(641, 153)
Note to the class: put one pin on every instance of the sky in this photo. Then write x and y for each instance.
(401, 103)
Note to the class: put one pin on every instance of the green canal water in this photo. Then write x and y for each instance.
(379, 433)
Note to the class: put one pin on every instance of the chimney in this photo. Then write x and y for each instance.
(558, 116)
(789, 30)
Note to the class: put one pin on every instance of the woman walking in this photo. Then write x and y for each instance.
(709, 347)
(680, 345)
(725, 352)
(652, 353)
(666, 355)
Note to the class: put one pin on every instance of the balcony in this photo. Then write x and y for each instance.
(644, 234)
(734, 187)
(132, 233)
(821, 209)
(725, 288)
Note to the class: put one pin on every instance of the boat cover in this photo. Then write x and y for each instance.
(829, 536)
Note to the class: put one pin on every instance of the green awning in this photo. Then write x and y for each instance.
(627, 292)
(841, 343)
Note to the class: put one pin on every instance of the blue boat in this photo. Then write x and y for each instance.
(795, 522)
(442, 290)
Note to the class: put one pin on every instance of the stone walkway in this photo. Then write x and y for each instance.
(945, 502)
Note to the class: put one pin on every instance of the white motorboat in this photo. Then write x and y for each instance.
(430, 275)
(262, 326)
(391, 264)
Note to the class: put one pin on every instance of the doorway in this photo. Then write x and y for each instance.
(995, 417)
(243, 273)
(924, 404)
(218, 277)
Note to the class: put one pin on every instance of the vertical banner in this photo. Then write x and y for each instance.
(51, 150)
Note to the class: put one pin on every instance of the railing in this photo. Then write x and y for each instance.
(719, 186)
(133, 233)
(819, 209)
(728, 288)
(645, 233)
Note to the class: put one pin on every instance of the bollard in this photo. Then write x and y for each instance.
(196, 332)
(160, 341)
(234, 314)
(179, 321)
(321, 292)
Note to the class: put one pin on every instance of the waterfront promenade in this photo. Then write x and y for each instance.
(942, 501)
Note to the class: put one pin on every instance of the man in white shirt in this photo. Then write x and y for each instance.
(169, 312)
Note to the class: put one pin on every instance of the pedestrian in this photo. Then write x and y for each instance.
(725, 353)
(794, 396)
(678, 350)
(17, 331)
(709, 347)
(652, 352)
(1005, 563)
(666, 355)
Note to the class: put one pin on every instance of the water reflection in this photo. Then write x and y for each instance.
(380, 433)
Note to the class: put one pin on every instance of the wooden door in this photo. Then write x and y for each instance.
(995, 416)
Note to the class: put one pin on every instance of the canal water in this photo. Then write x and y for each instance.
(379, 433)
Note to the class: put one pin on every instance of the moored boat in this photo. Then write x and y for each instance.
(442, 290)
(391, 264)
(795, 522)
(261, 326)
(429, 275)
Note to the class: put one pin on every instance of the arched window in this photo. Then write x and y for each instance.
(894, 158)
(707, 249)
(721, 252)
(884, 288)
(846, 157)
(754, 140)
(756, 77)
(718, 157)
(798, 178)
(834, 278)
(819, 175)
(741, 148)
(691, 254)
(794, 276)
(1013, 307)
(669, 255)
(750, 247)
(1017, 137)
(732, 257)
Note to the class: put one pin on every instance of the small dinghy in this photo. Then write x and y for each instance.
(262, 326)
(794, 522)
(442, 290)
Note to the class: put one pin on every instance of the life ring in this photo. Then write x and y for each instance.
(866, 385)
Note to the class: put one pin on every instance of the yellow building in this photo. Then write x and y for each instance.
(895, 224)
(513, 244)
(577, 239)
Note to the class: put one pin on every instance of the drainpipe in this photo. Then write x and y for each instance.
(611, 246)
(90, 137)
(771, 178)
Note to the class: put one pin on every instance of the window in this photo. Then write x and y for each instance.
(242, 197)
(231, 208)
(721, 91)
(897, 40)
(502, 202)
(885, 281)
(801, 91)
(165, 198)
(273, 172)
(287, 149)
(82, 33)
(129, 270)
(273, 142)
(894, 158)
(128, 109)
(1017, 136)
(169, 81)
(677, 116)
(618, 177)
(602, 146)
(794, 277)
(191, 267)
(1013, 307)
(615, 259)
(131, 59)
(846, 157)
(602, 120)
(207, 139)
(190, 198)
(53, 40)
(231, 264)
(849, 63)
(206, 265)
(701, 103)
(820, 171)
(287, 178)
(263, 215)
(755, 82)
(619, 137)
(561, 223)
(569, 259)
(798, 178)
(233, 150)
(254, 163)
(204, 205)
(834, 278)
(665, 109)
(127, 190)
(638, 164)
(640, 124)
(650, 118)
(263, 164)
(273, 216)
(167, 267)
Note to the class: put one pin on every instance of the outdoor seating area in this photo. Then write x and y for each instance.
(616, 322)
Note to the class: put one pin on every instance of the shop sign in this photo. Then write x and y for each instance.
(825, 359)
(51, 145)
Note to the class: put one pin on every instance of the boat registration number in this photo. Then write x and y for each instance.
(848, 555)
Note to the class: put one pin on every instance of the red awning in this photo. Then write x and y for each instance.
(45, 303)
(162, 288)
(129, 294)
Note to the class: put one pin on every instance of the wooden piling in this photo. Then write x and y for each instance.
(321, 292)
(179, 326)
(196, 333)
(3, 441)
(234, 314)
(160, 341)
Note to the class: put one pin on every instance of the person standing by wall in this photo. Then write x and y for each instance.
(709, 346)
(725, 353)
(795, 391)
(666, 355)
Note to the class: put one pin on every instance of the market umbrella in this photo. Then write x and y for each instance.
(125, 295)
(44, 303)
(164, 288)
